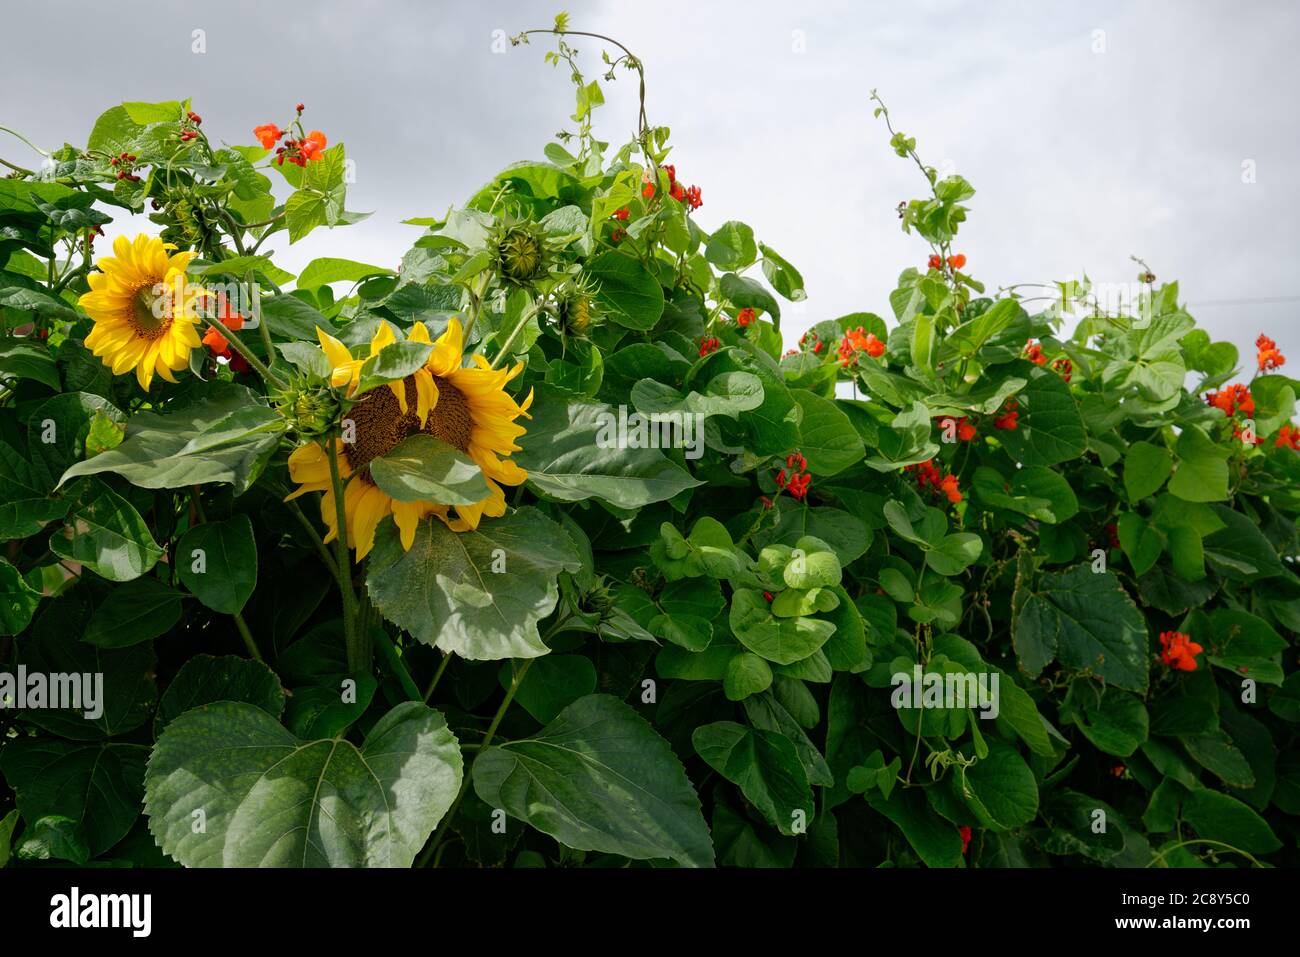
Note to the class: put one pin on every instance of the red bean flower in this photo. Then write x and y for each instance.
(1178, 651)
(1034, 353)
(1007, 420)
(928, 476)
(1288, 437)
(1232, 399)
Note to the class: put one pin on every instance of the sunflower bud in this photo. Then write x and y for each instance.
(577, 316)
(520, 253)
(184, 223)
(597, 601)
(310, 406)
(575, 309)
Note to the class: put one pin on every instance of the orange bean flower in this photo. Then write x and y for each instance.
(855, 341)
(311, 146)
(1268, 356)
(268, 134)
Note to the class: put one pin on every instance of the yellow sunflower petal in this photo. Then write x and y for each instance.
(329, 515)
(335, 351)
(398, 389)
(309, 463)
(382, 339)
(144, 375)
(426, 395)
(448, 350)
(407, 515)
(371, 507)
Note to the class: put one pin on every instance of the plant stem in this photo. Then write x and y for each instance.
(437, 676)
(514, 334)
(262, 327)
(249, 643)
(1160, 858)
(393, 661)
(633, 60)
(267, 375)
(5, 129)
(439, 834)
(358, 644)
(476, 304)
(316, 540)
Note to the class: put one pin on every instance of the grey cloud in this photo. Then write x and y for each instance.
(1080, 158)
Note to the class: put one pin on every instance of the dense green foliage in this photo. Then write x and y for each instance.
(653, 655)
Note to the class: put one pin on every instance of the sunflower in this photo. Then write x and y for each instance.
(144, 310)
(467, 408)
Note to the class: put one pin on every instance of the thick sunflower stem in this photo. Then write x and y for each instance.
(441, 832)
(358, 639)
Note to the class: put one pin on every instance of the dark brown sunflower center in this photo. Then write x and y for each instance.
(378, 422)
(150, 312)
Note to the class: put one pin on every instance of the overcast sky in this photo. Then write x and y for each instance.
(1091, 131)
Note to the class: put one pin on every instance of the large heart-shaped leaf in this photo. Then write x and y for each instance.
(782, 640)
(599, 778)
(424, 467)
(1050, 429)
(124, 699)
(267, 799)
(98, 786)
(204, 679)
(765, 766)
(628, 290)
(107, 535)
(479, 594)
(225, 437)
(577, 449)
(218, 563)
(25, 504)
(1089, 622)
